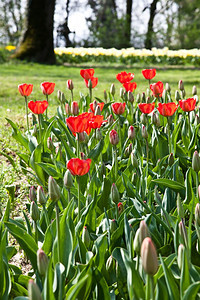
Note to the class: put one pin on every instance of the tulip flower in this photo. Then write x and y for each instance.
(130, 86)
(38, 107)
(167, 109)
(131, 132)
(87, 73)
(124, 77)
(47, 87)
(93, 80)
(146, 108)
(149, 257)
(74, 108)
(70, 85)
(25, 89)
(96, 121)
(80, 123)
(149, 73)
(118, 108)
(101, 105)
(188, 104)
(79, 167)
(157, 89)
(114, 138)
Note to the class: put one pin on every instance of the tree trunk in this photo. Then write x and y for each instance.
(129, 4)
(37, 41)
(149, 34)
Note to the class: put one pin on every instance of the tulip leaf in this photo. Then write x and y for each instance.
(102, 286)
(96, 151)
(18, 136)
(81, 289)
(185, 276)
(36, 157)
(174, 185)
(70, 138)
(162, 292)
(50, 170)
(191, 292)
(48, 283)
(188, 184)
(103, 200)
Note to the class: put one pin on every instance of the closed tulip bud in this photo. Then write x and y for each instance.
(181, 85)
(194, 90)
(86, 237)
(53, 189)
(68, 180)
(143, 119)
(120, 208)
(94, 105)
(130, 97)
(115, 194)
(35, 130)
(197, 214)
(34, 211)
(41, 195)
(42, 262)
(183, 233)
(32, 193)
(110, 119)
(177, 96)
(86, 138)
(114, 138)
(164, 95)
(83, 156)
(149, 257)
(121, 93)
(59, 95)
(180, 256)
(110, 264)
(136, 242)
(131, 133)
(180, 208)
(98, 134)
(144, 132)
(158, 120)
(33, 291)
(112, 89)
(138, 98)
(90, 84)
(183, 94)
(143, 97)
(196, 162)
(134, 160)
(144, 231)
(70, 85)
(128, 150)
(148, 100)
(75, 108)
(98, 111)
(167, 87)
(105, 96)
(67, 109)
(62, 98)
(113, 226)
(134, 178)
(81, 137)
(50, 144)
(170, 159)
(154, 118)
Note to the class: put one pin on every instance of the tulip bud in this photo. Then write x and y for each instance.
(75, 108)
(148, 100)
(35, 130)
(144, 132)
(183, 233)
(41, 195)
(138, 98)
(144, 231)
(34, 211)
(180, 256)
(112, 89)
(80, 137)
(194, 90)
(121, 93)
(42, 262)
(53, 189)
(62, 98)
(110, 264)
(86, 237)
(181, 85)
(114, 138)
(70, 85)
(170, 159)
(196, 162)
(130, 97)
(67, 109)
(131, 133)
(90, 84)
(32, 193)
(115, 194)
(180, 208)
(136, 242)
(98, 111)
(197, 214)
(134, 178)
(154, 118)
(68, 181)
(105, 96)
(113, 226)
(50, 144)
(98, 134)
(183, 94)
(177, 96)
(143, 119)
(59, 95)
(149, 257)
(86, 138)
(164, 95)
(110, 119)
(94, 105)
(167, 87)
(143, 97)
(33, 291)
(134, 160)
(120, 208)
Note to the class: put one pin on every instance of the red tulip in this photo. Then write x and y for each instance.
(167, 109)
(25, 89)
(70, 85)
(188, 104)
(157, 89)
(124, 77)
(149, 73)
(146, 108)
(47, 87)
(94, 81)
(87, 73)
(114, 137)
(130, 86)
(74, 108)
(101, 105)
(80, 123)
(96, 121)
(78, 166)
(118, 108)
(38, 107)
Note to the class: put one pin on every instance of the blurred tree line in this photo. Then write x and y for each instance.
(158, 23)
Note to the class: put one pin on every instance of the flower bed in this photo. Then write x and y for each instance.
(116, 214)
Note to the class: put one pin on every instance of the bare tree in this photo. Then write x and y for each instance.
(129, 4)
(149, 34)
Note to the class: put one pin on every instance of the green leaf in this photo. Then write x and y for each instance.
(11, 160)
(18, 136)
(174, 185)
(102, 286)
(185, 275)
(161, 292)
(50, 170)
(6, 214)
(81, 289)
(103, 200)
(96, 151)
(188, 184)
(191, 292)
(48, 283)
(100, 247)
(35, 158)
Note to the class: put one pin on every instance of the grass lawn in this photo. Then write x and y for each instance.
(12, 103)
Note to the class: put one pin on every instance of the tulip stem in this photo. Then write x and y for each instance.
(69, 196)
(120, 136)
(77, 145)
(115, 161)
(189, 126)
(79, 197)
(152, 287)
(40, 128)
(46, 109)
(58, 230)
(197, 184)
(26, 106)
(147, 150)
(169, 137)
(36, 232)
(148, 290)
(72, 96)
(90, 93)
